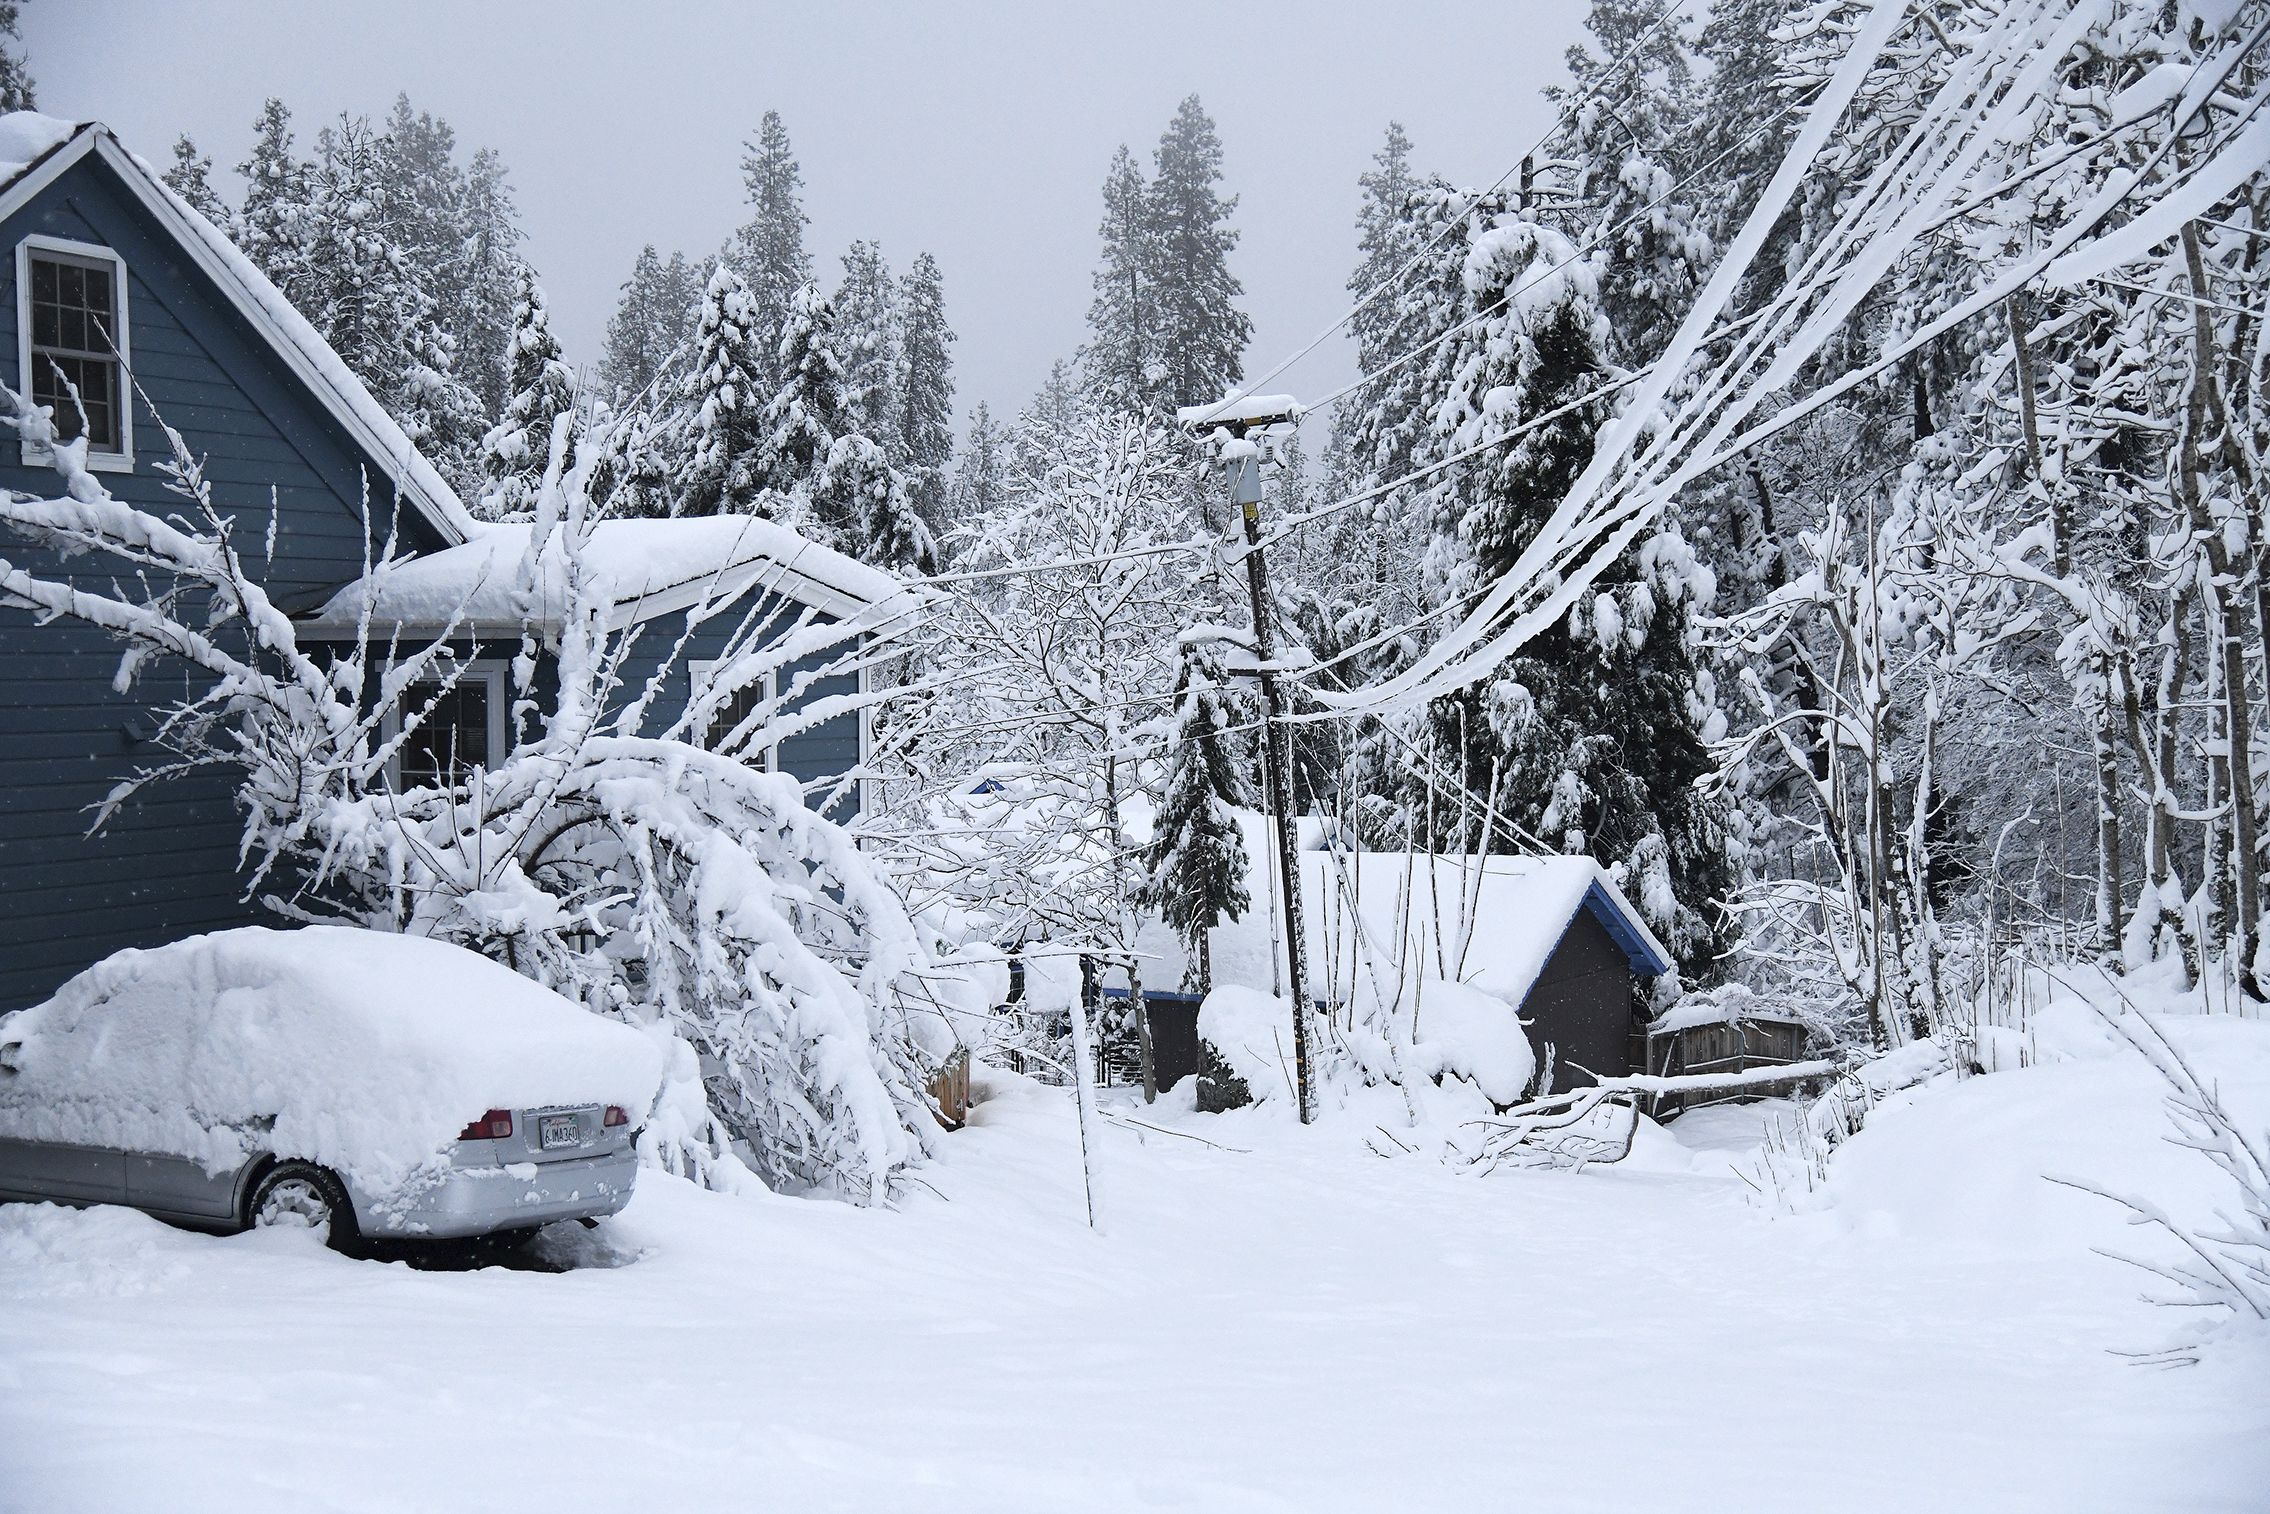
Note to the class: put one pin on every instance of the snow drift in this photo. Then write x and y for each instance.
(368, 1051)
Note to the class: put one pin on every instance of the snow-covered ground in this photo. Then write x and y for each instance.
(1293, 1324)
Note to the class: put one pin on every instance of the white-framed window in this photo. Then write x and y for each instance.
(72, 334)
(737, 707)
(464, 729)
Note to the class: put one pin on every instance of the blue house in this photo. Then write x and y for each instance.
(114, 283)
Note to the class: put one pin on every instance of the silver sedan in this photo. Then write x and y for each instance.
(509, 1173)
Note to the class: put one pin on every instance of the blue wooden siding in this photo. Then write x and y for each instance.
(166, 866)
(819, 756)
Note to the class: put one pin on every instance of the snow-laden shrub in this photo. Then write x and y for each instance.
(634, 869)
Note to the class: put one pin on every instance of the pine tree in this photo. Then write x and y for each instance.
(517, 450)
(441, 416)
(15, 70)
(355, 283)
(1385, 245)
(1196, 861)
(867, 343)
(1652, 250)
(804, 415)
(479, 284)
(191, 177)
(725, 427)
(659, 314)
(1590, 736)
(272, 225)
(768, 250)
(983, 476)
(1201, 332)
(863, 508)
(1120, 366)
(926, 389)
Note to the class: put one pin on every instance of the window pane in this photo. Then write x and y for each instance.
(454, 736)
(43, 281)
(97, 383)
(71, 284)
(47, 328)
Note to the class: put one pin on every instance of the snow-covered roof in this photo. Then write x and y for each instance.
(36, 149)
(1377, 920)
(645, 568)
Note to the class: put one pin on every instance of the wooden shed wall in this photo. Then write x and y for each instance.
(1581, 1004)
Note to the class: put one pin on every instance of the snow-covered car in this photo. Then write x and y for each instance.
(376, 1085)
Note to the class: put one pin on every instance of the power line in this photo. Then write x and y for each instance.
(1395, 279)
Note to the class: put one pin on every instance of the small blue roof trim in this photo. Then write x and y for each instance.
(1629, 939)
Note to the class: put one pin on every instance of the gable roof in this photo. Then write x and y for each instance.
(646, 568)
(36, 150)
(1376, 920)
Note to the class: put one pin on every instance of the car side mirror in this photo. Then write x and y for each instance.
(8, 1052)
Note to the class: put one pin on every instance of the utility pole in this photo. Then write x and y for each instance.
(1242, 460)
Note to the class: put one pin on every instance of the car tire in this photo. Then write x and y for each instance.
(302, 1195)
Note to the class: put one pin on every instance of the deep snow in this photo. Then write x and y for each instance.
(1290, 1323)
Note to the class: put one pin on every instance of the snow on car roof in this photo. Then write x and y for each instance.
(644, 567)
(367, 1051)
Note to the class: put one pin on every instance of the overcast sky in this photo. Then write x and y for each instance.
(978, 132)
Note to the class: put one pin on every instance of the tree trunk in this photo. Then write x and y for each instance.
(2029, 419)
(2202, 415)
(2110, 891)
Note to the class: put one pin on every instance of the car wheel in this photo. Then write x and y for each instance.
(302, 1196)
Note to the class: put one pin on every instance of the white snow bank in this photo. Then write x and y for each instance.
(1464, 1032)
(643, 568)
(1253, 1031)
(369, 1051)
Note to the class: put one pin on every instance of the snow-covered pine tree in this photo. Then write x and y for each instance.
(517, 450)
(659, 313)
(723, 443)
(867, 343)
(458, 229)
(1378, 438)
(478, 286)
(1196, 861)
(271, 226)
(804, 414)
(1119, 366)
(1385, 246)
(983, 472)
(1624, 142)
(355, 283)
(864, 503)
(926, 389)
(1592, 736)
(768, 249)
(15, 70)
(440, 414)
(1201, 333)
(191, 176)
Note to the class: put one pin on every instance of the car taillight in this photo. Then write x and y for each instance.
(617, 1115)
(493, 1126)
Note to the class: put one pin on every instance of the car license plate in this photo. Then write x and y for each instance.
(557, 1130)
